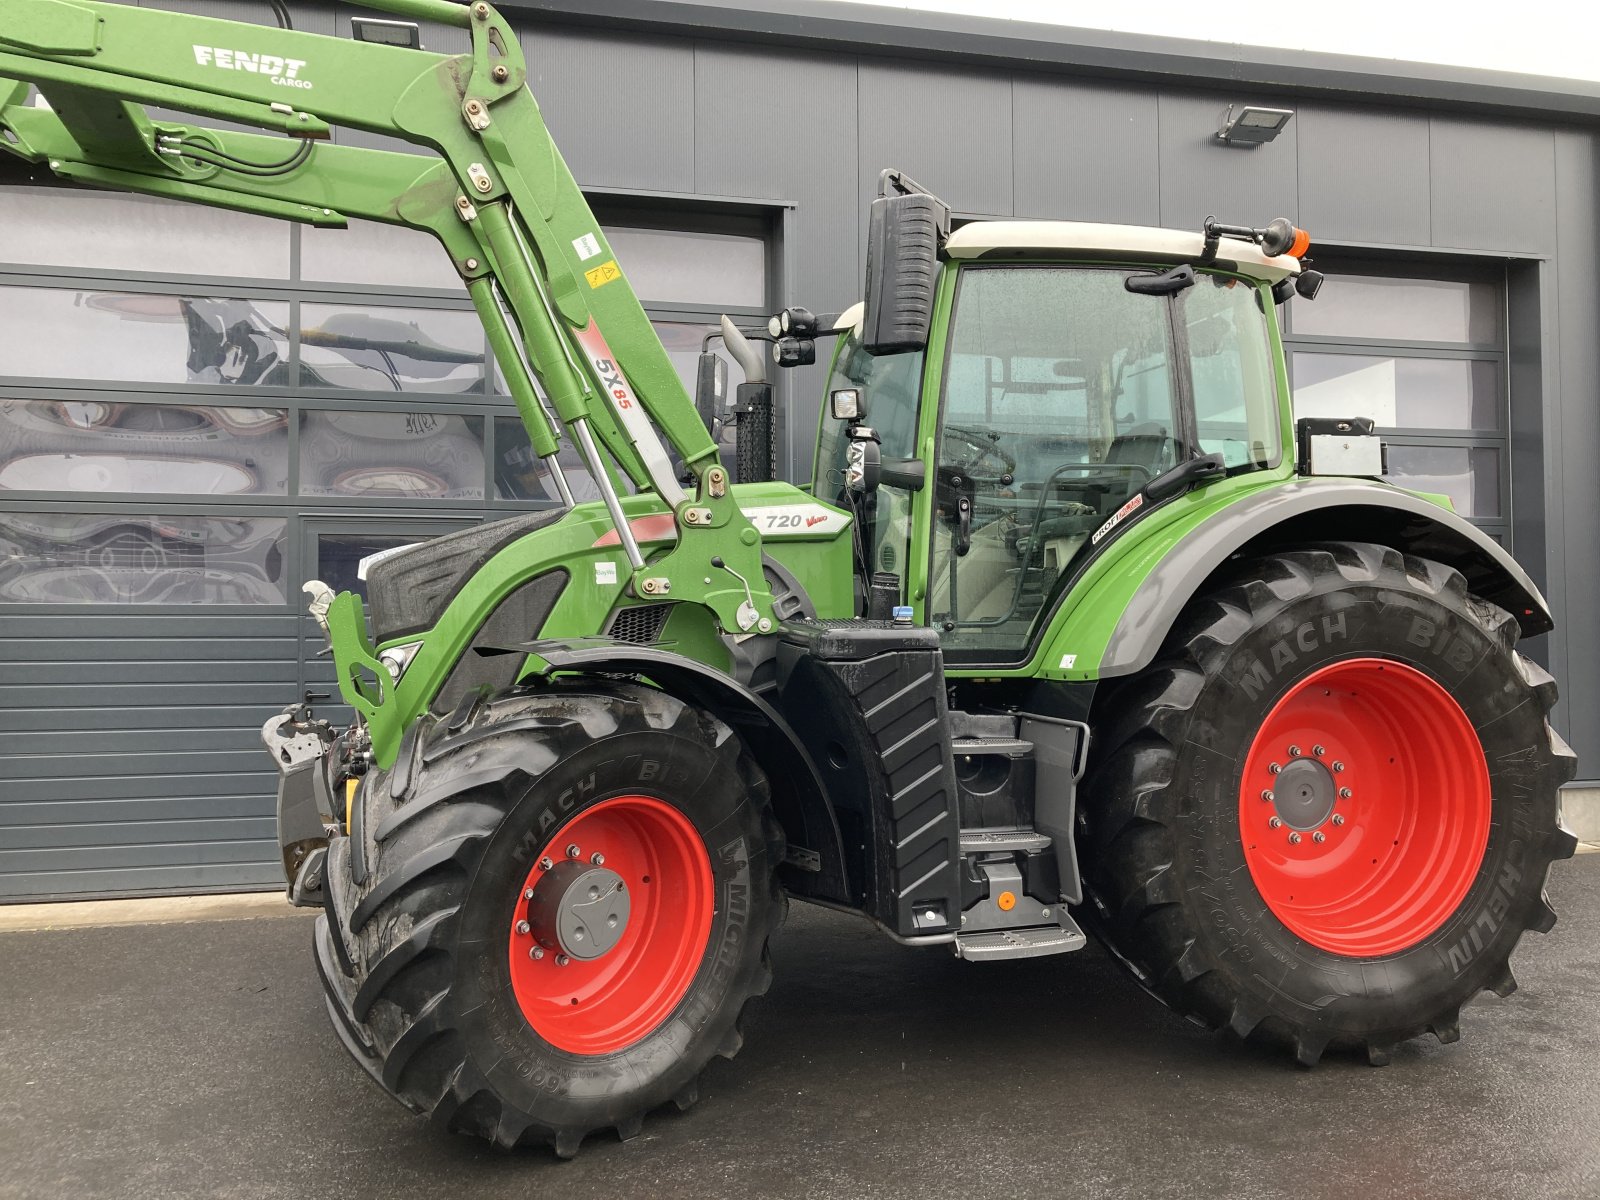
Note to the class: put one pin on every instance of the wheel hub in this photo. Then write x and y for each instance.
(1303, 794)
(579, 909)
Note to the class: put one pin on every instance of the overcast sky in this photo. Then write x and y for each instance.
(1541, 37)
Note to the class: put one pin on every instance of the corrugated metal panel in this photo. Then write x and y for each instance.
(822, 259)
(1085, 153)
(1338, 204)
(621, 108)
(1493, 186)
(948, 128)
(129, 750)
(1201, 177)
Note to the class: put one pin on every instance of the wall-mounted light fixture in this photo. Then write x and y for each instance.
(1252, 125)
(386, 33)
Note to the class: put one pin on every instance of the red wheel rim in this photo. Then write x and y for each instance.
(1364, 807)
(607, 1003)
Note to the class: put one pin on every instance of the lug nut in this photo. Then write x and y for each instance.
(1274, 822)
(1319, 837)
(573, 851)
(597, 859)
(1294, 751)
(1266, 794)
(536, 953)
(1318, 751)
(1294, 839)
(1273, 769)
(527, 894)
(1338, 818)
(1345, 793)
(1337, 766)
(562, 960)
(523, 927)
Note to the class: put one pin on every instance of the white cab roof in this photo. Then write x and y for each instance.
(1132, 242)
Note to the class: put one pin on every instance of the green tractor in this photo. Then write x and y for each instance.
(1073, 627)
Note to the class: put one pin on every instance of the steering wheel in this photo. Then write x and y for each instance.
(980, 444)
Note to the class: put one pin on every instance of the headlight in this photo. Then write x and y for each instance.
(398, 658)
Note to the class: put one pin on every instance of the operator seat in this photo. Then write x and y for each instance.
(1150, 446)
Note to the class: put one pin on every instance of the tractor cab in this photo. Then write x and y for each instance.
(1073, 377)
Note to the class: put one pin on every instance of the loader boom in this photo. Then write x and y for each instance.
(494, 191)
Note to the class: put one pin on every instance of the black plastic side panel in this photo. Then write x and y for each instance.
(517, 618)
(869, 700)
(407, 592)
(1060, 749)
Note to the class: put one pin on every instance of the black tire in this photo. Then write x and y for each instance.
(423, 895)
(1167, 882)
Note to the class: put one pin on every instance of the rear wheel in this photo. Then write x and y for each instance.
(550, 917)
(1325, 816)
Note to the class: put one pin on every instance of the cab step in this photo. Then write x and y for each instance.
(1034, 942)
(1009, 746)
(978, 841)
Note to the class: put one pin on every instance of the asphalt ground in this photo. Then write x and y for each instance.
(196, 1059)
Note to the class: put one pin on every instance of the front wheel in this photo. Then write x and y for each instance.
(548, 918)
(1327, 814)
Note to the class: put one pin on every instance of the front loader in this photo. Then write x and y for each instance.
(1073, 628)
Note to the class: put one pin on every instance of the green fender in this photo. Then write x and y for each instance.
(1180, 556)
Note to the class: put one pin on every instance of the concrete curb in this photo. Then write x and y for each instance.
(156, 910)
(1580, 809)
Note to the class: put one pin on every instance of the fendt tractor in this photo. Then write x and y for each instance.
(1073, 625)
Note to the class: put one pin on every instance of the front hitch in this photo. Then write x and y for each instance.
(298, 745)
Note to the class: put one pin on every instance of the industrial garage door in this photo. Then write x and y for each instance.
(1424, 355)
(198, 411)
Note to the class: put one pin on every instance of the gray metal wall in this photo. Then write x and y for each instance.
(689, 113)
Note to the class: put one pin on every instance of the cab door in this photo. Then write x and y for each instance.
(1063, 396)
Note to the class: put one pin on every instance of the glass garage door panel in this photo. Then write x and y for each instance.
(1423, 393)
(120, 558)
(141, 337)
(1380, 309)
(99, 445)
(376, 455)
(1469, 475)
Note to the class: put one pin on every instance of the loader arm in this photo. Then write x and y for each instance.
(494, 191)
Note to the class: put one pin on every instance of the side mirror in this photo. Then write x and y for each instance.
(847, 404)
(711, 389)
(906, 229)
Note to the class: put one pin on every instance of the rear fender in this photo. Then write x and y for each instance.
(1304, 512)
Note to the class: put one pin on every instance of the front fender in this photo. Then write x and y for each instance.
(799, 798)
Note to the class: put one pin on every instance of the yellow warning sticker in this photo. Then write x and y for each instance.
(603, 274)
